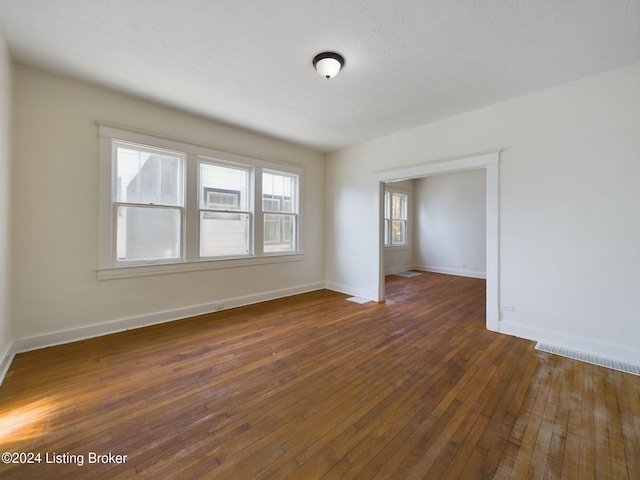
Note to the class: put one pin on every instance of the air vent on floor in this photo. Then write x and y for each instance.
(589, 358)
(359, 300)
(408, 274)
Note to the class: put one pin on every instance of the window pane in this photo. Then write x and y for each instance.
(278, 192)
(224, 234)
(224, 188)
(399, 206)
(147, 177)
(399, 232)
(170, 181)
(387, 205)
(279, 233)
(386, 231)
(147, 234)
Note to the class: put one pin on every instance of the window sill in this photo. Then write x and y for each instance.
(111, 273)
(396, 248)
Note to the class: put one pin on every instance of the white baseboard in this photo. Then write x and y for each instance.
(82, 333)
(452, 271)
(5, 360)
(348, 290)
(585, 345)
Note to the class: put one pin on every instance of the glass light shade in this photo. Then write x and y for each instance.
(328, 64)
(328, 67)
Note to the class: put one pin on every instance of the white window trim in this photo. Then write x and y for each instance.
(190, 259)
(407, 244)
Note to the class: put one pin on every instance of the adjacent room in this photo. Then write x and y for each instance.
(320, 239)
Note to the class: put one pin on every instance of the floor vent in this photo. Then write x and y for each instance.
(590, 358)
(407, 274)
(359, 300)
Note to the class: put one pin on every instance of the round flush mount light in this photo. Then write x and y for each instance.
(328, 64)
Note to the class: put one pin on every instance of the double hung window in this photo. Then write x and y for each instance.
(279, 211)
(395, 218)
(225, 210)
(148, 203)
(184, 207)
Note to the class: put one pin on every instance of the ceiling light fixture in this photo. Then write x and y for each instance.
(328, 64)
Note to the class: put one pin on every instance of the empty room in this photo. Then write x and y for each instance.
(314, 240)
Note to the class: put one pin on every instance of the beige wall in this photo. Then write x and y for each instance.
(55, 216)
(5, 203)
(450, 231)
(569, 208)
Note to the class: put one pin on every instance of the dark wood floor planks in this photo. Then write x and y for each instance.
(314, 386)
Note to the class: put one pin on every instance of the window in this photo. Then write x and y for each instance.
(395, 218)
(148, 203)
(170, 206)
(278, 207)
(225, 210)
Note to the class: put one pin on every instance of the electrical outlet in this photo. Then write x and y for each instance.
(508, 308)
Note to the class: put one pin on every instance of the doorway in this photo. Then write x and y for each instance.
(490, 163)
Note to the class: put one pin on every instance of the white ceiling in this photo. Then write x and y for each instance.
(248, 62)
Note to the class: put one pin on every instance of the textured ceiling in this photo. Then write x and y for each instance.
(248, 62)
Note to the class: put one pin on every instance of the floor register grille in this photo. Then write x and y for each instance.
(589, 358)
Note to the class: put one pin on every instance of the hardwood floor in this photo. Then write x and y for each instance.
(314, 386)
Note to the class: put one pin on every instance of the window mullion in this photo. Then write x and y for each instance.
(191, 216)
(258, 217)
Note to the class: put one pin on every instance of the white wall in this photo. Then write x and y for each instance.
(5, 205)
(450, 228)
(400, 259)
(569, 208)
(56, 295)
